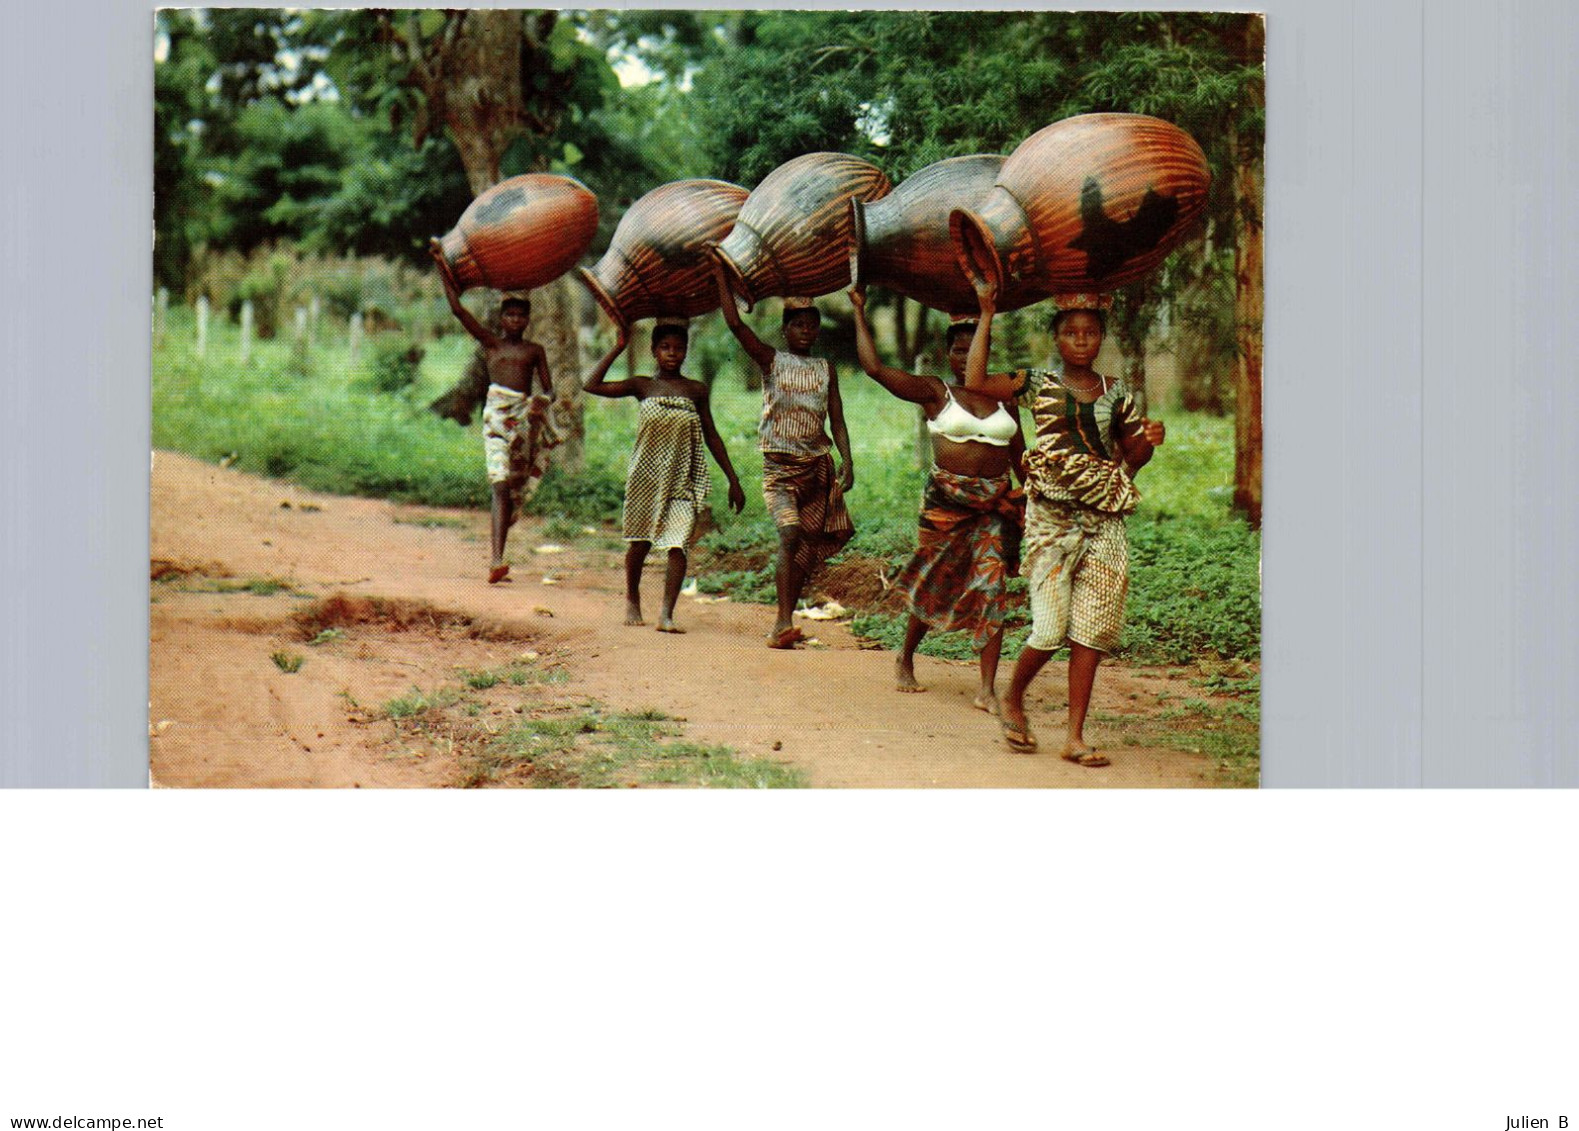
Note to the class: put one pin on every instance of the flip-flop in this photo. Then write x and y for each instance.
(497, 574)
(1020, 739)
(786, 639)
(1090, 757)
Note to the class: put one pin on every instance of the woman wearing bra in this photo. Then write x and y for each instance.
(969, 539)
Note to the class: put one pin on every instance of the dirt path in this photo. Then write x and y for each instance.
(225, 714)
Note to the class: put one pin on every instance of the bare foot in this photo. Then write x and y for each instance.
(666, 624)
(498, 573)
(986, 701)
(905, 678)
(633, 615)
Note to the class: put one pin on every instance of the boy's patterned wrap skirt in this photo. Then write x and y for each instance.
(515, 446)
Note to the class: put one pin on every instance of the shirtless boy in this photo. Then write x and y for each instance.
(511, 413)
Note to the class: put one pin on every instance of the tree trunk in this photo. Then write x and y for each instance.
(1247, 321)
(471, 75)
(554, 321)
(477, 74)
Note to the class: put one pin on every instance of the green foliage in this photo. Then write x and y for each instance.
(288, 662)
(328, 434)
(395, 364)
(1194, 590)
(594, 496)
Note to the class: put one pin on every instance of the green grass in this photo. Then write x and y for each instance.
(521, 673)
(587, 747)
(433, 522)
(288, 662)
(418, 703)
(196, 582)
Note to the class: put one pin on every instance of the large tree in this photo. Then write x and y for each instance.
(485, 78)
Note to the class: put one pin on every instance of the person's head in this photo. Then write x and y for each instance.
(802, 323)
(670, 343)
(1078, 335)
(514, 314)
(1079, 326)
(957, 339)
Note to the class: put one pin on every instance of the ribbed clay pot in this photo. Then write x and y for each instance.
(656, 263)
(522, 233)
(902, 241)
(792, 236)
(1086, 204)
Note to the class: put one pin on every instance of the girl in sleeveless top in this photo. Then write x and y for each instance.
(667, 483)
(1090, 441)
(803, 492)
(969, 537)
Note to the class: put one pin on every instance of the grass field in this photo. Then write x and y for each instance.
(319, 419)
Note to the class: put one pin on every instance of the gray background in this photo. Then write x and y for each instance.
(1420, 538)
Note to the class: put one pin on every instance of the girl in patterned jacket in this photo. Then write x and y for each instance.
(1090, 440)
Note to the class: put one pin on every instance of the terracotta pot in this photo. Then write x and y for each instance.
(656, 263)
(903, 242)
(793, 233)
(1086, 204)
(522, 233)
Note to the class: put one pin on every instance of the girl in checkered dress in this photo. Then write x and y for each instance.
(667, 483)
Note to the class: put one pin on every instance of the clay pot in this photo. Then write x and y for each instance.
(656, 263)
(902, 241)
(792, 236)
(1086, 204)
(520, 234)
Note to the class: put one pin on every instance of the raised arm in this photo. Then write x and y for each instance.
(598, 387)
(473, 327)
(841, 434)
(758, 350)
(715, 445)
(1000, 386)
(981, 341)
(916, 388)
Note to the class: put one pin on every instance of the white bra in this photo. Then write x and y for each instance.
(958, 423)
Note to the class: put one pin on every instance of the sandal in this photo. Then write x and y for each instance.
(786, 639)
(1019, 739)
(497, 574)
(1087, 756)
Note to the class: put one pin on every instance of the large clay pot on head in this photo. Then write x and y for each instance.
(656, 264)
(902, 241)
(520, 234)
(1086, 204)
(792, 236)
